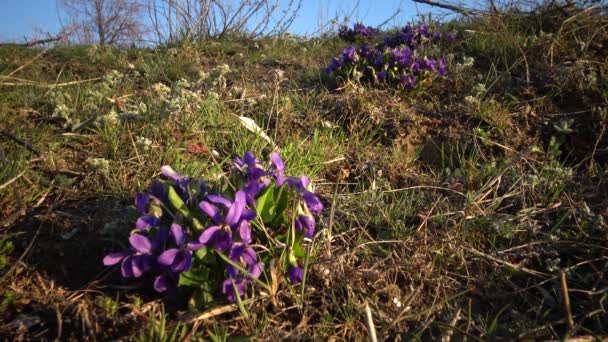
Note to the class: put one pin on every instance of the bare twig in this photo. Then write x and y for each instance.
(20, 210)
(21, 142)
(21, 83)
(463, 11)
(51, 39)
(564, 283)
(371, 328)
(10, 181)
(505, 263)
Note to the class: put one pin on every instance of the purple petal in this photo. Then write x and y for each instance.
(248, 215)
(308, 223)
(159, 239)
(146, 261)
(138, 266)
(168, 257)
(140, 243)
(161, 283)
(295, 183)
(255, 173)
(249, 158)
(219, 200)
(238, 163)
(232, 271)
(295, 274)
(168, 172)
(305, 182)
(223, 241)
(114, 258)
(228, 290)
(235, 251)
(312, 202)
(193, 246)
(158, 190)
(245, 232)
(277, 162)
(256, 270)
(280, 179)
(236, 209)
(146, 222)
(209, 234)
(126, 268)
(141, 202)
(182, 262)
(178, 234)
(249, 256)
(212, 211)
(253, 188)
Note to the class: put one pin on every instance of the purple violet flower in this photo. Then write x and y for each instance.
(403, 56)
(417, 65)
(349, 54)
(249, 166)
(179, 259)
(163, 283)
(277, 169)
(295, 274)
(382, 76)
(309, 198)
(307, 224)
(146, 222)
(241, 282)
(140, 257)
(141, 202)
(335, 64)
(237, 216)
(442, 69)
(241, 254)
(408, 81)
(431, 65)
(182, 183)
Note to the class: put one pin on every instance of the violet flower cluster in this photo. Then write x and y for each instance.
(358, 30)
(180, 216)
(397, 60)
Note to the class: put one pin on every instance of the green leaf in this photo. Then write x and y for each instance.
(281, 200)
(177, 203)
(201, 297)
(194, 277)
(298, 252)
(265, 204)
(239, 302)
(196, 223)
(205, 256)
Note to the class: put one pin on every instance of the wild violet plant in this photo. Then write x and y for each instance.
(358, 31)
(221, 237)
(399, 60)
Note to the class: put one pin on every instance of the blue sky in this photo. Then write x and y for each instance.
(19, 19)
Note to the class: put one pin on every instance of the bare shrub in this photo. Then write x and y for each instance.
(210, 19)
(106, 22)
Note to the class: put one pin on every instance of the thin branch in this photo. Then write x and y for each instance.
(21, 142)
(463, 11)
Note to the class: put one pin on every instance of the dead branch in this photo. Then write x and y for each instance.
(463, 11)
(21, 142)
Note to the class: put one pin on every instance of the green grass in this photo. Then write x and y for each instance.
(449, 216)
